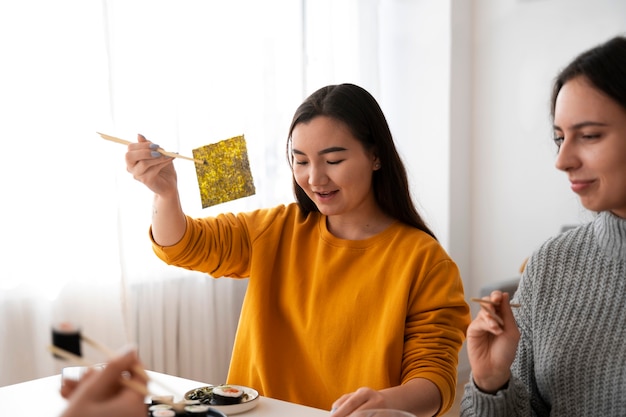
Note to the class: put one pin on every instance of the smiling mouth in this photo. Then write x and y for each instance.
(325, 194)
(579, 186)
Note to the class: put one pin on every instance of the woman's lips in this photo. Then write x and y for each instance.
(324, 196)
(580, 186)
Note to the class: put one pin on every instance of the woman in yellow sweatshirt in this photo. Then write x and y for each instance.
(351, 301)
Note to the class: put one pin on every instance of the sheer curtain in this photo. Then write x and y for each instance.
(60, 253)
(74, 224)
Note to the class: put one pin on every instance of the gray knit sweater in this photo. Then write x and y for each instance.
(571, 359)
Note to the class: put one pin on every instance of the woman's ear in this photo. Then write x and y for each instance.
(377, 164)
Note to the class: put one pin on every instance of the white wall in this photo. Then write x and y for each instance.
(414, 78)
(518, 198)
(465, 85)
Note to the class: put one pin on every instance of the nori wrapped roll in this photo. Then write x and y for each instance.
(227, 395)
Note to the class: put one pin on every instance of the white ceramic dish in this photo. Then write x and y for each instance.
(249, 402)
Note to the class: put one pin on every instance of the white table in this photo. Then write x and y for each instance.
(44, 393)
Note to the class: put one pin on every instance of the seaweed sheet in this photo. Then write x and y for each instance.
(226, 174)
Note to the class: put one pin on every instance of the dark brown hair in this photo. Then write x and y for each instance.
(604, 66)
(360, 112)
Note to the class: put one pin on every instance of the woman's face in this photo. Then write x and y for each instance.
(333, 168)
(590, 129)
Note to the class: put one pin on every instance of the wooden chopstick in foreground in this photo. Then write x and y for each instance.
(111, 354)
(483, 301)
(159, 150)
(77, 359)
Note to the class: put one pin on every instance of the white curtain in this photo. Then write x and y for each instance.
(60, 253)
(74, 224)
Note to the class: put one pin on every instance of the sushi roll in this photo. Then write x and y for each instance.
(154, 410)
(162, 399)
(197, 410)
(66, 336)
(227, 395)
(164, 413)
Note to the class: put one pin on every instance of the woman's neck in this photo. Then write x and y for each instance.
(358, 228)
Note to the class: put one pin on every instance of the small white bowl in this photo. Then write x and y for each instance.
(76, 373)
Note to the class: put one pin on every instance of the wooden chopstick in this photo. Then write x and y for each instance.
(69, 356)
(110, 354)
(99, 346)
(159, 150)
(137, 387)
(493, 303)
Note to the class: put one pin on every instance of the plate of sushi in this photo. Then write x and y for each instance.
(229, 399)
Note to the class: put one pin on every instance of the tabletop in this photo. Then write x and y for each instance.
(45, 393)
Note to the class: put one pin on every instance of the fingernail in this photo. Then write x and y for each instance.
(154, 146)
(155, 154)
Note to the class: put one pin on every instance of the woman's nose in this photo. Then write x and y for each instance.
(567, 159)
(317, 176)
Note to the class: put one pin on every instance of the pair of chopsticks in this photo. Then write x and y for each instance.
(159, 150)
(483, 302)
(110, 354)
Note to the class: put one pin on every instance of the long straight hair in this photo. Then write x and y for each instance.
(360, 112)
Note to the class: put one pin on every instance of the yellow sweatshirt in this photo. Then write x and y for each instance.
(323, 316)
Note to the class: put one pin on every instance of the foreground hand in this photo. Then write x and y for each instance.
(101, 393)
(151, 168)
(419, 396)
(360, 399)
(492, 339)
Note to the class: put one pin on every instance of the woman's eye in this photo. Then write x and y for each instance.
(592, 136)
(558, 141)
(335, 162)
(301, 162)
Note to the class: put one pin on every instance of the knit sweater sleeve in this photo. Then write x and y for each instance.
(512, 401)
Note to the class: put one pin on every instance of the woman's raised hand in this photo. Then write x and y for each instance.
(492, 339)
(151, 168)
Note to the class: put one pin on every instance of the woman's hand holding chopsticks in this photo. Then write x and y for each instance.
(158, 174)
(150, 167)
(492, 339)
(117, 390)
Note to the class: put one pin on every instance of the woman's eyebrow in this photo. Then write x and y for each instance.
(331, 149)
(323, 151)
(582, 124)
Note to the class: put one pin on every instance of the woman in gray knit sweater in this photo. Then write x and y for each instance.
(563, 352)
